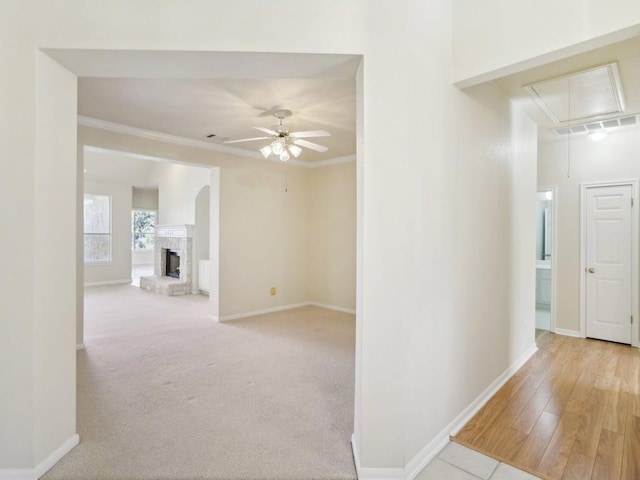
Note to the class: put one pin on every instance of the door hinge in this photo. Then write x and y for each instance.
(631, 319)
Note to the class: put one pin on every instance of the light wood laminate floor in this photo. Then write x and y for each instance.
(571, 412)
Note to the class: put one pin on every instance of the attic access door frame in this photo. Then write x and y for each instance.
(635, 250)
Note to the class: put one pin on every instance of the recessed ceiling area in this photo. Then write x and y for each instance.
(587, 94)
(226, 108)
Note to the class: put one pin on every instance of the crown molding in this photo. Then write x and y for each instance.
(190, 142)
(140, 156)
(162, 137)
(331, 161)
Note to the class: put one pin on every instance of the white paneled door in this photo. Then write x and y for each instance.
(608, 262)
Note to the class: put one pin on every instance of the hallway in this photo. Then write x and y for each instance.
(571, 412)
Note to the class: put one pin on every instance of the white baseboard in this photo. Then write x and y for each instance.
(568, 333)
(213, 318)
(108, 282)
(44, 466)
(333, 307)
(466, 415)
(80, 346)
(429, 451)
(262, 312)
(356, 454)
(374, 473)
(253, 313)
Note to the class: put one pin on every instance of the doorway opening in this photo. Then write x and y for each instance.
(545, 264)
(259, 183)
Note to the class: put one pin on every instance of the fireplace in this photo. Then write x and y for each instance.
(173, 253)
(172, 263)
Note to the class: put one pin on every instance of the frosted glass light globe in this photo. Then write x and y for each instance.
(277, 147)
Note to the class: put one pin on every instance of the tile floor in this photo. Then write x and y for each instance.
(456, 462)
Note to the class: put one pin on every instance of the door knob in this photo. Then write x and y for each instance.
(592, 270)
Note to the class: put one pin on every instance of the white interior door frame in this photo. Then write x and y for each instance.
(635, 248)
(554, 242)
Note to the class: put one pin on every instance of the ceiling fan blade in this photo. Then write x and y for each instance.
(267, 111)
(245, 140)
(310, 145)
(268, 131)
(310, 134)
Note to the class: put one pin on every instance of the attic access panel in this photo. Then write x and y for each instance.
(579, 96)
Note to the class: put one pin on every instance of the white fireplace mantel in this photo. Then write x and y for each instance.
(174, 231)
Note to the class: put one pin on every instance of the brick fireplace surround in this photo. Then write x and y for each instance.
(178, 238)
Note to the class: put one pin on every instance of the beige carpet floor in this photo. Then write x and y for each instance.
(164, 393)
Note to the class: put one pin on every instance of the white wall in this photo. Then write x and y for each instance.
(178, 186)
(263, 237)
(422, 142)
(332, 235)
(464, 236)
(614, 158)
(203, 224)
(214, 243)
(536, 32)
(142, 257)
(145, 198)
(80, 241)
(119, 269)
(17, 208)
(54, 252)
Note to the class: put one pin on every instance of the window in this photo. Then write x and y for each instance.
(97, 228)
(142, 228)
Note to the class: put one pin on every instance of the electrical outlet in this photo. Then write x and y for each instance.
(273, 291)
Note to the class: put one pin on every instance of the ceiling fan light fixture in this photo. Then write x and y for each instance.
(266, 151)
(295, 150)
(284, 143)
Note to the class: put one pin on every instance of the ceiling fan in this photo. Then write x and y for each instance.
(284, 143)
